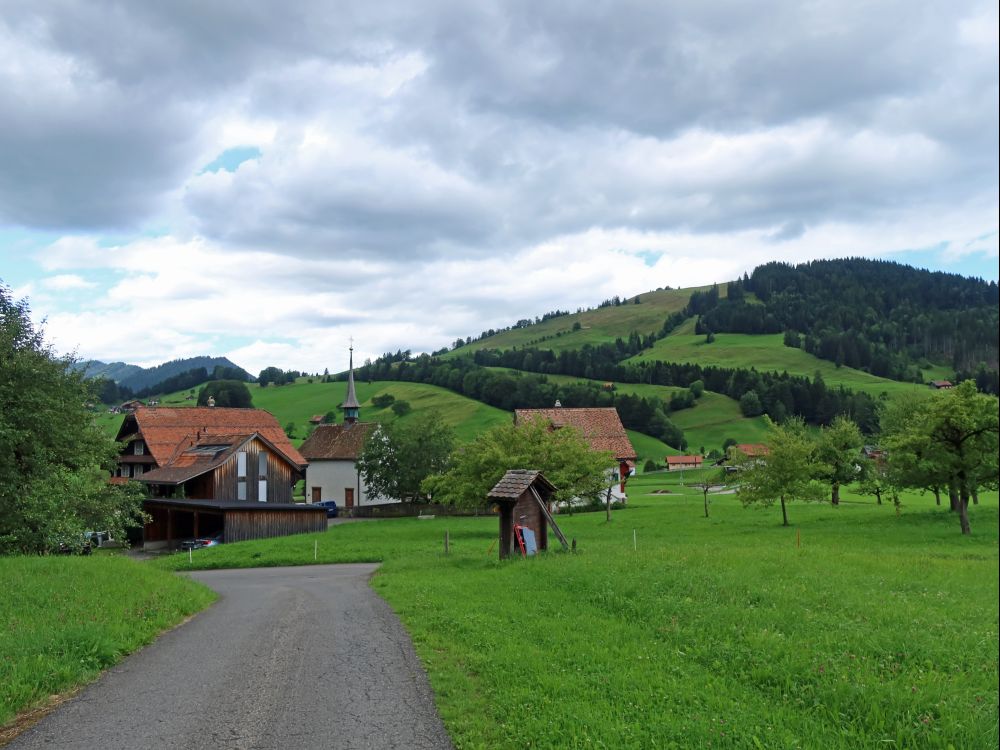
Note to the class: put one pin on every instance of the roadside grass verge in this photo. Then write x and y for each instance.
(65, 619)
(857, 627)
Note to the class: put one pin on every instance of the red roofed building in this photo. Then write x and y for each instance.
(599, 426)
(678, 463)
(214, 471)
(209, 453)
(752, 450)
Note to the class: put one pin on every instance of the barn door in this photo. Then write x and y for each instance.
(317, 494)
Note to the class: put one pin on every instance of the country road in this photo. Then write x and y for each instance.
(305, 657)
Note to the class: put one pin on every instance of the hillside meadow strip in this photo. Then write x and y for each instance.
(856, 627)
(63, 620)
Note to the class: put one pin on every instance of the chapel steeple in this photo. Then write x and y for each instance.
(351, 406)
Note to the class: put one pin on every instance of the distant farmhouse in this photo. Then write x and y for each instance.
(333, 450)
(601, 428)
(213, 470)
(679, 463)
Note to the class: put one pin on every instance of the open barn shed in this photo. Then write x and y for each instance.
(173, 520)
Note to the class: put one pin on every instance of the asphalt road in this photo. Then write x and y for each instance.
(288, 658)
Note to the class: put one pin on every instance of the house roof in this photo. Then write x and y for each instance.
(675, 460)
(220, 505)
(333, 442)
(202, 456)
(167, 430)
(516, 482)
(601, 427)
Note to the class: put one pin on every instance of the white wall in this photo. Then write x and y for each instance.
(332, 477)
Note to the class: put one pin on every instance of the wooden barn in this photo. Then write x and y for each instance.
(220, 458)
(523, 496)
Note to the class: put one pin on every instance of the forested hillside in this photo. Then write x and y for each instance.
(885, 318)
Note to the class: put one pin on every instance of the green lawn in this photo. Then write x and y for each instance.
(65, 619)
(856, 628)
(767, 352)
(599, 326)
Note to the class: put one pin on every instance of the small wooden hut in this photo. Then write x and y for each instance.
(522, 497)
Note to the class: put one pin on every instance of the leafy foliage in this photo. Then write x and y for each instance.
(227, 393)
(785, 474)
(838, 455)
(949, 439)
(398, 456)
(562, 455)
(54, 460)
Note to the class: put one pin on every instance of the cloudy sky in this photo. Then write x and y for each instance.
(266, 180)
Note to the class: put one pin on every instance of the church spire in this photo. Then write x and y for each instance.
(351, 406)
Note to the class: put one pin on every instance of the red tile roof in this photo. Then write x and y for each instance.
(170, 430)
(337, 442)
(601, 427)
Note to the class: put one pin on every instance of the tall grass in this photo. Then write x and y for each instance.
(855, 628)
(65, 619)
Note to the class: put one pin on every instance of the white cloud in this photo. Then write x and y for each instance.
(66, 282)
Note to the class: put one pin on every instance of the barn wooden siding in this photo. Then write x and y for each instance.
(280, 476)
(242, 525)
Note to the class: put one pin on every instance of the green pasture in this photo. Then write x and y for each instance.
(767, 352)
(855, 628)
(599, 326)
(298, 402)
(65, 619)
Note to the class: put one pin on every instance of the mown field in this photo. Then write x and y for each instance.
(855, 628)
(65, 619)
(599, 326)
(767, 352)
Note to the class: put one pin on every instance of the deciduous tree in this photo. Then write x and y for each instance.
(838, 455)
(562, 455)
(784, 474)
(54, 460)
(398, 456)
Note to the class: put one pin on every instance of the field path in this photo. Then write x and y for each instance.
(303, 657)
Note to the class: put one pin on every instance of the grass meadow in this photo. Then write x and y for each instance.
(856, 627)
(65, 619)
(768, 352)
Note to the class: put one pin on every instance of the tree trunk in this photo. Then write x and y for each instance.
(963, 511)
(975, 496)
(784, 513)
(835, 495)
(953, 496)
(705, 490)
(608, 503)
(878, 495)
(937, 495)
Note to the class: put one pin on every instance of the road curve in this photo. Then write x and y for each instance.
(290, 658)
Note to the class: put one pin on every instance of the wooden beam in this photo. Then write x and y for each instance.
(549, 518)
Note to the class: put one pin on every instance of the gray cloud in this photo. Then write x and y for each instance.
(523, 122)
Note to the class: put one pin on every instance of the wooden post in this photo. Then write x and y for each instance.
(506, 529)
(446, 542)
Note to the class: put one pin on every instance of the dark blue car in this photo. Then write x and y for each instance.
(331, 508)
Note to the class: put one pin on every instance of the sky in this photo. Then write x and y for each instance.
(268, 181)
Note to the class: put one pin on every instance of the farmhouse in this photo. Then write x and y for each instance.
(679, 463)
(941, 385)
(601, 427)
(333, 450)
(213, 470)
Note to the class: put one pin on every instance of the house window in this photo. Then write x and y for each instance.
(140, 447)
(262, 476)
(241, 489)
(241, 465)
(138, 469)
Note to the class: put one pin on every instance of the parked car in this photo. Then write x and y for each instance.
(331, 508)
(202, 542)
